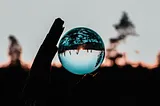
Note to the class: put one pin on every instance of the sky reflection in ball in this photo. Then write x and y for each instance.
(81, 51)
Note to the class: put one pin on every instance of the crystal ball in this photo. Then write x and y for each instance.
(81, 50)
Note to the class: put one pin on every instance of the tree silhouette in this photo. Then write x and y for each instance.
(80, 37)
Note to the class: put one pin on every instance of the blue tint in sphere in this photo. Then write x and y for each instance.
(81, 51)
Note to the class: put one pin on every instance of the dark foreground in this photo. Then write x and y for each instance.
(122, 86)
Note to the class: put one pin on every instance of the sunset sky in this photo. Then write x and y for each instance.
(30, 21)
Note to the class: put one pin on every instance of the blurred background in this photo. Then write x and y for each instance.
(30, 20)
(128, 60)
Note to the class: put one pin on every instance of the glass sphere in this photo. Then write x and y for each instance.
(81, 51)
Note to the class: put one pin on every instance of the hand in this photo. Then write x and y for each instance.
(37, 83)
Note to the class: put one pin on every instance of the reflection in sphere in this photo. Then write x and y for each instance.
(81, 51)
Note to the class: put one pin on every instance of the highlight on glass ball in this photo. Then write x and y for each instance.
(81, 51)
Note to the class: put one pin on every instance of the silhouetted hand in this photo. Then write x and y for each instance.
(38, 80)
